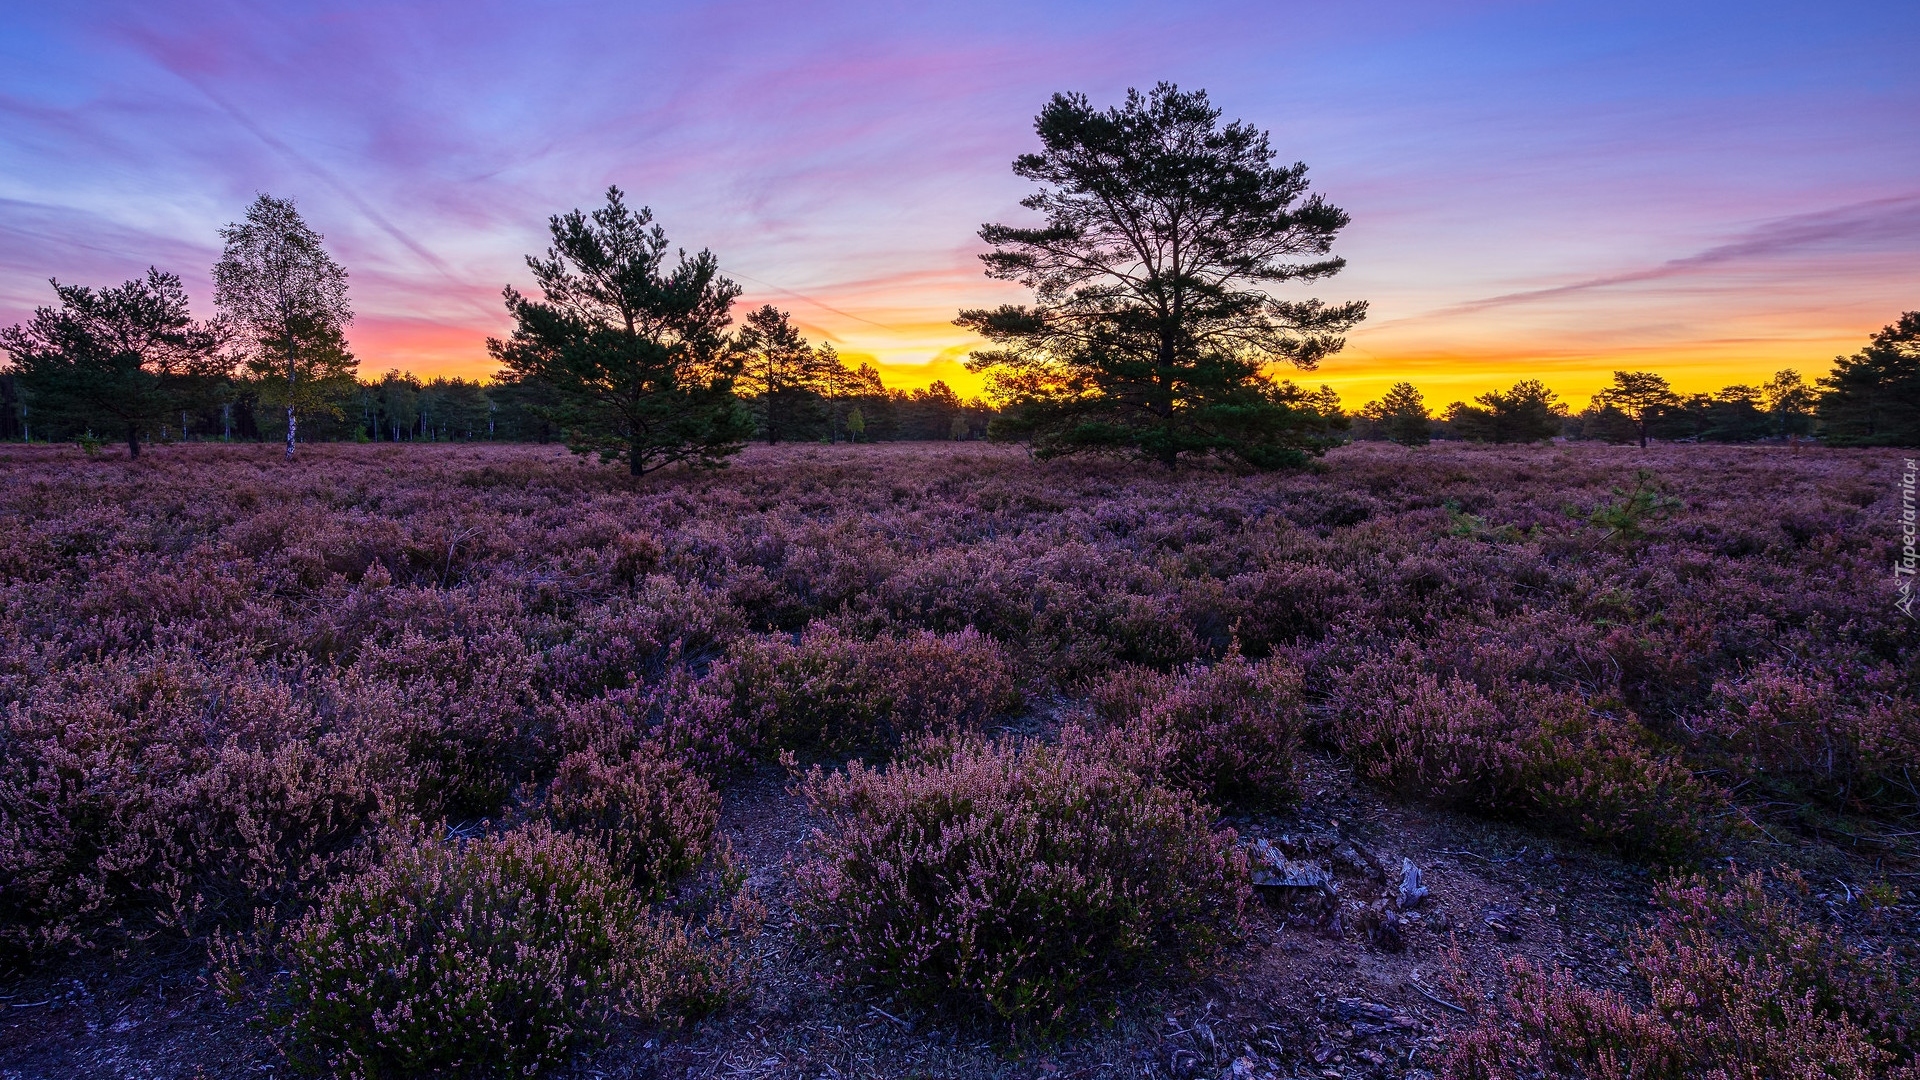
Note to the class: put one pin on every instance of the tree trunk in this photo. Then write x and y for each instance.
(293, 375)
(133, 441)
(633, 458)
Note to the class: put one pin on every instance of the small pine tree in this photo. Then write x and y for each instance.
(1401, 415)
(1640, 396)
(630, 357)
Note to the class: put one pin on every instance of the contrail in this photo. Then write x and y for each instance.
(325, 176)
(1877, 219)
(816, 303)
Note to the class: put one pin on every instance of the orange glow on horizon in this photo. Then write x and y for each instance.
(913, 345)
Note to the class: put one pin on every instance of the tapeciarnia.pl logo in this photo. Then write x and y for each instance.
(1903, 570)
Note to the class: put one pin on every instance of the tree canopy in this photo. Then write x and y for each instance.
(1640, 396)
(1872, 398)
(1527, 413)
(783, 377)
(131, 355)
(1401, 415)
(632, 355)
(277, 283)
(1153, 322)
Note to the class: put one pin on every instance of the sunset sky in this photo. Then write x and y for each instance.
(1713, 191)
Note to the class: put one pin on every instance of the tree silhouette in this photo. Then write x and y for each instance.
(1790, 404)
(131, 355)
(784, 379)
(1872, 398)
(1639, 396)
(1152, 322)
(1527, 413)
(1402, 415)
(632, 358)
(277, 282)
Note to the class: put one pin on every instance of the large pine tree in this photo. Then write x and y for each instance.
(630, 358)
(1154, 321)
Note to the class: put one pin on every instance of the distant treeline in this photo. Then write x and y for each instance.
(1871, 398)
(399, 407)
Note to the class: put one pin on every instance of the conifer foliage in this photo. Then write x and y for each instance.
(131, 355)
(634, 355)
(1153, 322)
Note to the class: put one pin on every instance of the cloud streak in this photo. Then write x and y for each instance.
(1492, 155)
(1889, 223)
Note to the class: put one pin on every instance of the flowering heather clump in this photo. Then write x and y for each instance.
(1014, 880)
(1846, 733)
(1738, 985)
(492, 957)
(1522, 749)
(1227, 732)
(120, 815)
(838, 692)
(652, 815)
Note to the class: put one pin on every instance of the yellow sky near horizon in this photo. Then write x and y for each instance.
(912, 350)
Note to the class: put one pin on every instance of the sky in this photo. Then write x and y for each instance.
(1714, 191)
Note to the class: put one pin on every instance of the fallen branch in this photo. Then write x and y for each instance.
(1422, 991)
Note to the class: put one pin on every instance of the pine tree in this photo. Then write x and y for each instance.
(783, 378)
(1402, 415)
(131, 356)
(629, 359)
(1640, 396)
(1527, 413)
(1872, 398)
(1153, 322)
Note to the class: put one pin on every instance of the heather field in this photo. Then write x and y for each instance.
(935, 760)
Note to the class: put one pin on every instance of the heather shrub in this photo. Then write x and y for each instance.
(1519, 750)
(1841, 732)
(1229, 733)
(652, 816)
(633, 639)
(1737, 985)
(154, 796)
(1016, 881)
(461, 722)
(829, 690)
(490, 957)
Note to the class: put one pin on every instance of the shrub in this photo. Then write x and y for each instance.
(462, 719)
(1843, 734)
(145, 795)
(1015, 881)
(1738, 986)
(652, 815)
(833, 691)
(1229, 733)
(490, 957)
(1521, 750)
